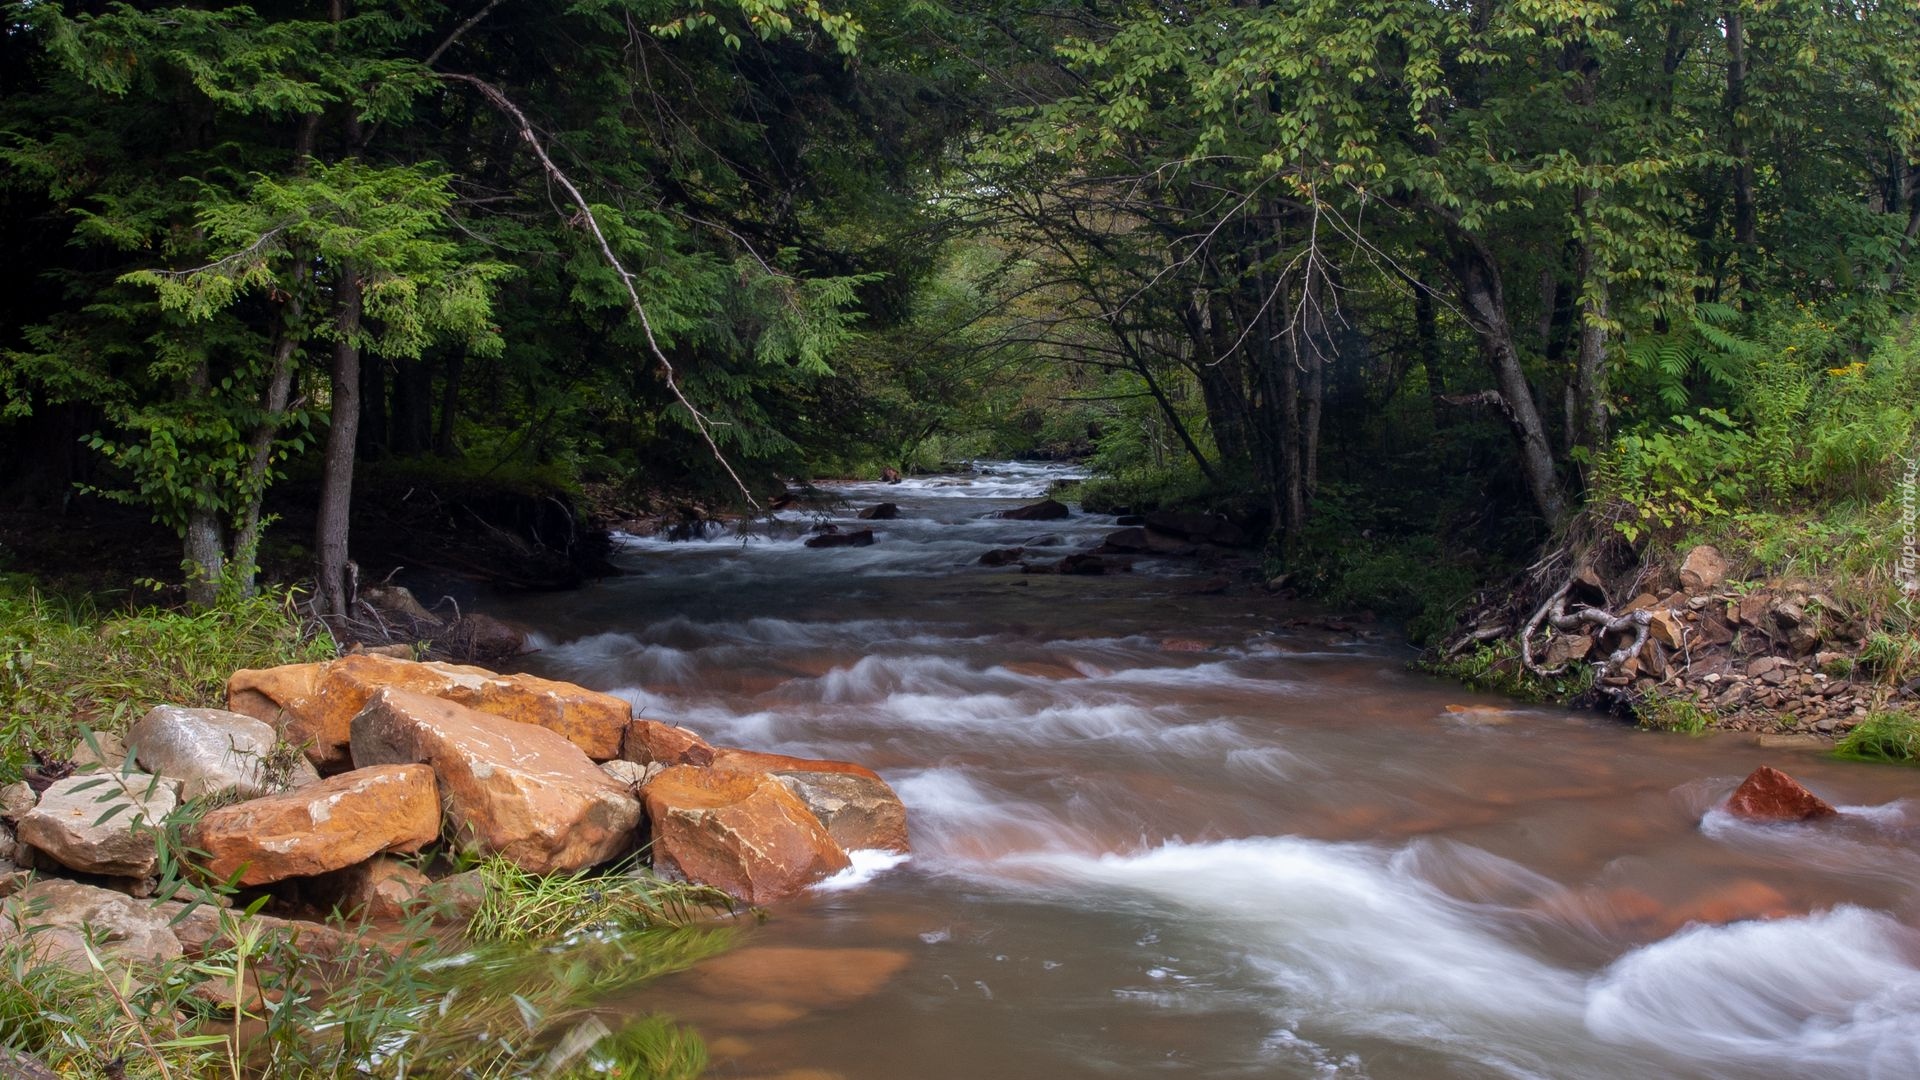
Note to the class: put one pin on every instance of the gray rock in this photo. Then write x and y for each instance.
(112, 755)
(67, 913)
(16, 799)
(67, 824)
(211, 751)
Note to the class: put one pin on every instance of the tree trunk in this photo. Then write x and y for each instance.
(1745, 225)
(1590, 360)
(1484, 299)
(286, 341)
(336, 484)
(371, 442)
(443, 441)
(411, 428)
(203, 538)
(1316, 392)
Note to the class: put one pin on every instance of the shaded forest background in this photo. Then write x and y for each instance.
(1416, 289)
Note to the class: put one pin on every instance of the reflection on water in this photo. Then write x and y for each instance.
(1156, 832)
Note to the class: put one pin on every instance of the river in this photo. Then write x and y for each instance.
(1159, 832)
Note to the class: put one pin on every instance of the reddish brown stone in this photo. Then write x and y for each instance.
(510, 789)
(314, 704)
(741, 832)
(753, 761)
(1771, 795)
(650, 740)
(328, 825)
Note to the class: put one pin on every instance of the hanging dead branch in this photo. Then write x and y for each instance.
(586, 217)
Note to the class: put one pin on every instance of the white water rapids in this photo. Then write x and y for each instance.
(1163, 832)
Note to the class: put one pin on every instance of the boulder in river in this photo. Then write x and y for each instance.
(744, 833)
(101, 822)
(650, 740)
(1002, 556)
(856, 807)
(314, 704)
(885, 511)
(510, 789)
(325, 826)
(1044, 510)
(1768, 794)
(856, 538)
(213, 751)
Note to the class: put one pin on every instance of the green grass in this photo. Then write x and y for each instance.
(66, 664)
(1667, 712)
(1891, 735)
(519, 906)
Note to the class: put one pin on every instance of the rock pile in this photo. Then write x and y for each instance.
(1755, 656)
(395, 758)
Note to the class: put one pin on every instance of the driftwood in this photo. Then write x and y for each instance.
(1554, 613)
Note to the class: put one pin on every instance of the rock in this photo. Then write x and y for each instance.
(857, 538)
(754, 761)
(457, 896)
(112, 753)
(1771, 795)
(1644, 600)
(1771, 741)
(1664, 628)
(1713, 628)
(1084, 564)
(1138, 541)
(1126, 520)
(56, 917)
(509, 789)
(1044, 510)
(16, 799)
(859, 812)
(1803, 638)
(1767, 665)
(1196, 527)
(328, 825)
(315, 703)
(631, 774)
(741, 832)
(881, 512)
(15, 1065)
(1703, 569)
(817, 978)
(890, 475)
(212, 750)
(383, 888)
(1002, 556)
(67, 825)
(206, 929)
(1753, 608)
(392, 652)
(1787, 614)
(486, 638)
(1567, 649)
(396, 601)
(651, 740)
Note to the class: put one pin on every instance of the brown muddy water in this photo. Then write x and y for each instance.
(1280, 855)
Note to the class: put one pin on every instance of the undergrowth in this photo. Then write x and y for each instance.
(1888, 735)
(1496, 669)
(510, 1004)
(1658, 711)
(66, 665)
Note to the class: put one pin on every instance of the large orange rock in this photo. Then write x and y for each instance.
(315, 703)
(1768, 794)
(324, 826)
(741, 832)
(650, 740)
(856, 807)
(510, 789)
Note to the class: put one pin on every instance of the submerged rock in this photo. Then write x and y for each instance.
(101, 822)
(857, 538)
(212, 750)
(315, 704)
(1768, 794)
(885, 511)
(744, 833)
(509, 789)
(325, 826)
(1044, 510)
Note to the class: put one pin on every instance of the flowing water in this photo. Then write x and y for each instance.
(1163, 833)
